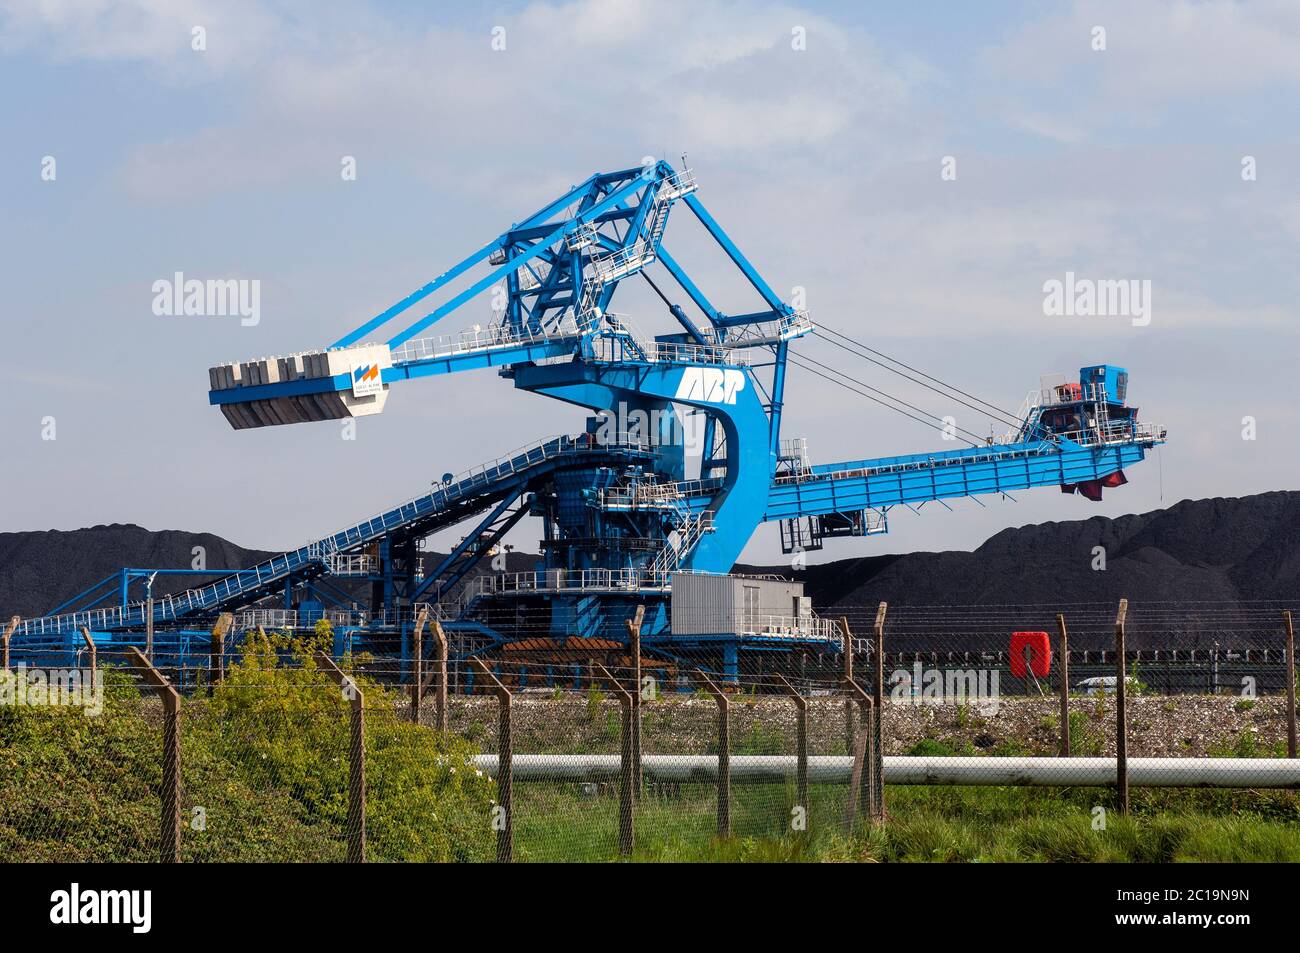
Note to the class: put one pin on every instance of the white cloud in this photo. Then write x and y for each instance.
(721, 122)
(1156, 54)
(158, 32)
(707, 76)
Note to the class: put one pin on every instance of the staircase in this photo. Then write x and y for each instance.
(692, 527)
(631, 258)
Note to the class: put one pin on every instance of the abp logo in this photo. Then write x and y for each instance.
(711, 384)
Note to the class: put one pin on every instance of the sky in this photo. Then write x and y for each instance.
(921, 170)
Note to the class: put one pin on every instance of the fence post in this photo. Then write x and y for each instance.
(417, 664)
(867, 776)
(801, 741)
(439, 674)
(724, 754)
(627, 766)
(169, 835)
(850, 713)
(634, 632)
(1064, 652)
(1121, 713)
(356, 758)
(9, 630)
(878, 717)
(1291, 684)
(505, 763)
(217, 648)
(90, 644)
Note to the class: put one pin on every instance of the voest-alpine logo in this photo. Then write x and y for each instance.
(366, 380)
(712, 385)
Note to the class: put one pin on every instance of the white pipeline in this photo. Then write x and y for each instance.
(835, 769)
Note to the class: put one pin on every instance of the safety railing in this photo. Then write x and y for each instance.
(278, 567)
(618, 264)
(617, 347)
(641, 496)
(1118, 433)
(623, 262)
(487, 473)
(784, 328)
(1115, 432)
(1045, 396)
(677, 185)
(679, 353)
(792, 627)
(1011, 453)
(689, 532)
(563, 580)
(351, 564)
(582, 236)
(289, 619)
(473, 340)
(794, 454)
(648, 494)
(794, 325)
(1052, 395)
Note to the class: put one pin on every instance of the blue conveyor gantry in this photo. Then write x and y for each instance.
(627, 503)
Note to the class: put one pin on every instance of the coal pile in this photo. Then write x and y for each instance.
(40, 570)
(1199, 569)
(1211, 566)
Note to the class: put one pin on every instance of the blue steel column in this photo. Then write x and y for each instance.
(731, 660)
(778, 397)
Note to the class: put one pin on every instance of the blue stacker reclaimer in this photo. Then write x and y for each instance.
(625, 508)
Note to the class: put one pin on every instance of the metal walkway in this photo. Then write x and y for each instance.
(464, 496)
(919, 478)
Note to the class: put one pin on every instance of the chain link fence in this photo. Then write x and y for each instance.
(747, 750)
(68, 737)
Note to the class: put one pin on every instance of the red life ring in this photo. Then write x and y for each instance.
(1040, 653)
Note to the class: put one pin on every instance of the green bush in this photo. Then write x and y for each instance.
(595, 701)
(264, 763)
(1085, 741)
(287, 726)
(83, 789)
(931, 748)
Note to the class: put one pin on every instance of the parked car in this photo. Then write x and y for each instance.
(1102, 684)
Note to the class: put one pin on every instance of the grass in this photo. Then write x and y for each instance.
(927, 825)
(263, 761)
(1085, 740)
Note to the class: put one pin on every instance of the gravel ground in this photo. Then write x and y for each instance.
(1159, 726)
